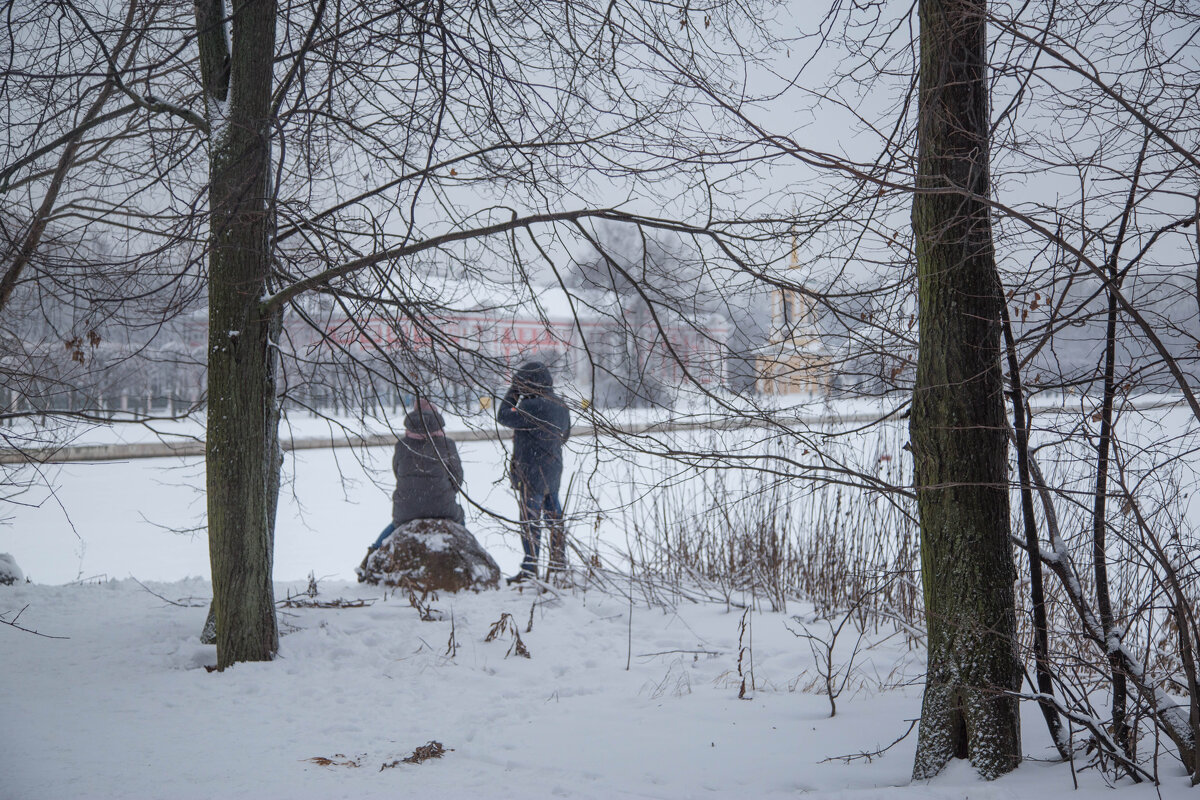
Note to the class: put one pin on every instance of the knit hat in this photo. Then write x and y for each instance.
(424, 419)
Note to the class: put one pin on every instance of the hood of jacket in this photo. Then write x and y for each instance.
(533, 377)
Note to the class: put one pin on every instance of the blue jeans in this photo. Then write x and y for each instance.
(391, 526)
(536, 510)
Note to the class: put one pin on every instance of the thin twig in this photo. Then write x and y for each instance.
(13, 623)
(196, 604)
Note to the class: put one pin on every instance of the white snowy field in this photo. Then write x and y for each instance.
(122, 707)
(145, 517)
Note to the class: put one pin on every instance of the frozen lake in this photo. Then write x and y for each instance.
(146, 517)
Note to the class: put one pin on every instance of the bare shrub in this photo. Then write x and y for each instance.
(736, 534)
(506, 624)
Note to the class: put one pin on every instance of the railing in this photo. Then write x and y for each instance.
(780, 419)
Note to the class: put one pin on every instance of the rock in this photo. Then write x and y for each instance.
(208, 634)
(435, 555)
(10, 573)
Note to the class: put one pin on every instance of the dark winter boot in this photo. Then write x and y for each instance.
(520, 577)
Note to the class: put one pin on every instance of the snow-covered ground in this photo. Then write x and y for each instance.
(145, 517)
(122, 706)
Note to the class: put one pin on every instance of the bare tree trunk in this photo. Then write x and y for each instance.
(243, 448)
(1120, 690)
(1037, 584)
(957, 426)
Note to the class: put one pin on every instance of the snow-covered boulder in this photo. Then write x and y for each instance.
(435, 555)
(10, 573)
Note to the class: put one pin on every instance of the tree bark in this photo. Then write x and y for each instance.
(242, 442)
(957, 425)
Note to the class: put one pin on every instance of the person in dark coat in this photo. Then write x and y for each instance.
(542, 424)
(428, 472)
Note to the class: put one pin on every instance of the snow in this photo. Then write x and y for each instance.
(436, 542)
(9, 571)
(123, 707)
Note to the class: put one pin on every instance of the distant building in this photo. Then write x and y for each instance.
(468, 342)
(459, 341)
(794, 360)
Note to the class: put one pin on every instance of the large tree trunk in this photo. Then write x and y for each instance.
(958, 430)
(243, 448)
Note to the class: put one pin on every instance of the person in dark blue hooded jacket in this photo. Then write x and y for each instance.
(542, 424)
